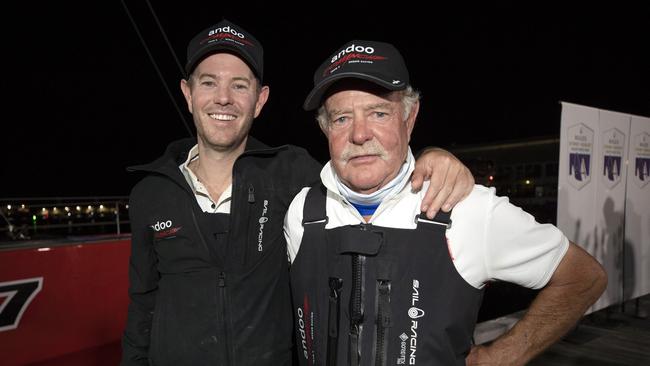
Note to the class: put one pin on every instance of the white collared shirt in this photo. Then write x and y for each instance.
(489, 239)
(207, 203)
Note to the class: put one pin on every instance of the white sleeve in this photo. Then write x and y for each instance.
(517, 248)
(293, 229)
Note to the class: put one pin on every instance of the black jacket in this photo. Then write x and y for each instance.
(191, 305)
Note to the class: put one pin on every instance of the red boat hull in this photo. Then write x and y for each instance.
(63, 303)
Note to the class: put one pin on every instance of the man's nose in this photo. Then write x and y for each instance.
(222, 95)
(361, 131)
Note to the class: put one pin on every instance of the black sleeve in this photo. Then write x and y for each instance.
(310, 169)
(143, 284)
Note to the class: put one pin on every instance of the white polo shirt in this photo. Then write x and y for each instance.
(489, 239)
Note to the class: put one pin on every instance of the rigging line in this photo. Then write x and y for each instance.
(155, 65)
(162, 31)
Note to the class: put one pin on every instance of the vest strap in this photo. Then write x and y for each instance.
(314, 211)
(441, 219)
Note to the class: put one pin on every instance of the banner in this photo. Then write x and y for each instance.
(611, 154)
(576, 191)
(602, 153)
(636, 262)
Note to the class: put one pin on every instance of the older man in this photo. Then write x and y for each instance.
(376, 283)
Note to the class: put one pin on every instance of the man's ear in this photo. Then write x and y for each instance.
(410, 120)
(187, 92)
(262, 97)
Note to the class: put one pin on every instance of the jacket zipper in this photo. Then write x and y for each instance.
(383, 321)
(333, 319)
(221, 283)
(356, 309)
(249, 240)
(251, 193)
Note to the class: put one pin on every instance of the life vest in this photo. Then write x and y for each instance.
(371, 295)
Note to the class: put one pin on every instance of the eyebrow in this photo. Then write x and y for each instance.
(242, 78)
(386, 105)
(335, 112)
(236, 78)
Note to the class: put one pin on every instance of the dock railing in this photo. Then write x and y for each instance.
(58, 217)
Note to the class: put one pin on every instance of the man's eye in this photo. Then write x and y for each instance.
(340, 120)
(240, 86)
(381, 114)
(207, 83)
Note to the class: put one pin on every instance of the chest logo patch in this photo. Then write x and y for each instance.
(165, 229)
(263, 220)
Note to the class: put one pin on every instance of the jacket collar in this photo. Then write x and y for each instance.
(177, 151)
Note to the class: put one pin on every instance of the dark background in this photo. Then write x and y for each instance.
(82, 99)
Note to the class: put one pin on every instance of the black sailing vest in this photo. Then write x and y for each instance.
(371, 295)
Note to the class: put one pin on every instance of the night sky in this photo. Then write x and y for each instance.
(83, 100)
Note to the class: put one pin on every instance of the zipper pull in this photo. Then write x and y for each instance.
(384, 303)
(335, 287)
(221, 279)
(251, 194)
(334, 304)
(355, 354)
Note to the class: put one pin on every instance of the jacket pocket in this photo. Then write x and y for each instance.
(265, 220)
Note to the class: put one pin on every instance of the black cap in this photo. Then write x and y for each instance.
(377, 62)
(228, 37)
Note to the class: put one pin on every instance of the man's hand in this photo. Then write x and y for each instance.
(451, 181)
(480, 355)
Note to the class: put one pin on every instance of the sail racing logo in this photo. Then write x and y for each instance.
(409, 342)
(263, 220)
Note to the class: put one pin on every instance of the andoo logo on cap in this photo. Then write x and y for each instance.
(352, 53)
(226, 29)
(352, 48)
(227, 34)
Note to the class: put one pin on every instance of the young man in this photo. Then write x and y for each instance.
(376, 283)
(208, 273)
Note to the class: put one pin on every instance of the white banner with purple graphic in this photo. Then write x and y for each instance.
(609, 209)
(594, 193)
(636, 264)
(576, 189)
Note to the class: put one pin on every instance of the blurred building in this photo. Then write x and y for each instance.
(527, 172)
(524, 170)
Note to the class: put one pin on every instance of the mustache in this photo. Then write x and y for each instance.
(371, 147)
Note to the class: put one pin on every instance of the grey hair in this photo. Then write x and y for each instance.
(410, 96)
